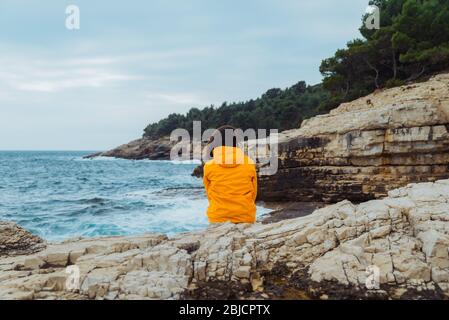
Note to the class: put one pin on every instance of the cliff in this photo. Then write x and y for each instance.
(324, 255)
(140, 149)
(365, 148)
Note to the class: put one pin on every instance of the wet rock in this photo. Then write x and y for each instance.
(14, 240)
(289, 210)
(198, 172)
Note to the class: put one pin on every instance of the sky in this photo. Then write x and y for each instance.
(134, 62)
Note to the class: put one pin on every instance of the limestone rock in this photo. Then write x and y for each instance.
(361, 151)
(15, 240)
(139, 149)
(405, 237)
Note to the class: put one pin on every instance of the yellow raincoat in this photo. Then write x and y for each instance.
(230, 180)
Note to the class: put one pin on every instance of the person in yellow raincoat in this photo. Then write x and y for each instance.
(230, 180)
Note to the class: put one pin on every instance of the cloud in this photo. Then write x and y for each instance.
(47, 73)
(27, 74)
(131, 65)
(175, 98)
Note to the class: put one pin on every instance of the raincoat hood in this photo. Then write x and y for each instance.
(229, 157)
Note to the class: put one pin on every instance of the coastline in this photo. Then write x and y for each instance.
(384, 166)
(321, 256)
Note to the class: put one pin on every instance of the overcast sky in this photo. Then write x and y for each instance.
(134, 62)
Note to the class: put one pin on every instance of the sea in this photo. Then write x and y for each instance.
(60, 195)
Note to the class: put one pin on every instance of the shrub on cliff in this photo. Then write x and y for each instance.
(413, 41)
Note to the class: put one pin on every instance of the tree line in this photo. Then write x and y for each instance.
(276, 109)
(413, 42)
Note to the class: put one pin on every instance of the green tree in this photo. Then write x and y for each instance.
(413, 41)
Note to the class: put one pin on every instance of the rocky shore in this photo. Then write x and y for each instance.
(324, 255)
(365, 148)
(139, 149)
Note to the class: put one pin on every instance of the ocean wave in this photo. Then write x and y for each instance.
(62, 195)
(101, 158)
